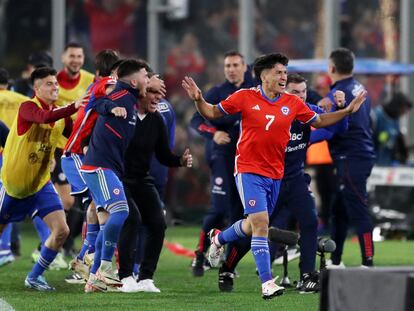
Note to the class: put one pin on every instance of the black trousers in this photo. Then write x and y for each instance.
(145, 209)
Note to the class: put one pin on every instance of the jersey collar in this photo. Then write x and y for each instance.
(343, 81)
(271, 101)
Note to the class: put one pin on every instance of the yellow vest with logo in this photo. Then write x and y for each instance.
(9, 105)
(67, 96)
(27, 157)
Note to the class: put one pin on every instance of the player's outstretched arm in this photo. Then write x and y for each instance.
(327, 119)
(207, 110)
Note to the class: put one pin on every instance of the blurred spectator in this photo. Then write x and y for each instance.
(111, 24)
(390, 147)
(183, 59)
(295, 36)
(36, 59)
(9, 101)
(319, 158)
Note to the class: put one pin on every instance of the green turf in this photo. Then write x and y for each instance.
(179, 290)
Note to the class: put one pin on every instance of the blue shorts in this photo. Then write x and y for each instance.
(42, 203)
(106, 189)
(71, 167)
(257, 193)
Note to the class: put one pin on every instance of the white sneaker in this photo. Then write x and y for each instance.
(80, 267)
(147, 286)
(6, 259)
(330, 265)
(59, 263)
(109, 277)
(129, 285)
(270, 289)
(366, 267)
(214, 252)
(95, 285)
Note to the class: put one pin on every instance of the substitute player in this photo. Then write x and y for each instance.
(73, 154)
(26, 188)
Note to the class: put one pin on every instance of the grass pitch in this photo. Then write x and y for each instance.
(179, 289)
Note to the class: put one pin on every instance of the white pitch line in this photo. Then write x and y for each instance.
(4, 306)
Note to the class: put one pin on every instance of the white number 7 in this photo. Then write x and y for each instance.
(271, 118)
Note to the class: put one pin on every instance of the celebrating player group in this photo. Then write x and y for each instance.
(116, 130)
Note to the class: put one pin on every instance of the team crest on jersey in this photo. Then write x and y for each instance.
(218, 181)
(162, 107)
(285, 110)
(252, 203)
(116, 191)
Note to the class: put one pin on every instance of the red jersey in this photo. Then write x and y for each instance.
(86, 119)
(264, 129)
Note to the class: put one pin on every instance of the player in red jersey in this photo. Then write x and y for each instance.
(106, 62)
(266, 116)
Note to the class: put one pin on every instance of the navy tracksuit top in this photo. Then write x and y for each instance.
(111, 135)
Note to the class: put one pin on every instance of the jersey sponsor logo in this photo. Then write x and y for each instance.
(252, 203)
(285, 110)
(116, 191)
(257, 107)
(295, 148)
(33, 158)
(218, 180)
(218, 190)
(296, 136)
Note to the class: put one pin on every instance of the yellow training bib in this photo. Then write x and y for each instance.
(27, 157)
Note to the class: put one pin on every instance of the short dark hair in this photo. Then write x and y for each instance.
(233, 53)
(73, 45)
(105, 60)
(343, 60)
(295, 78)
(40, 59)
(4, 76)
(42, 72)
(147, 65)
(129, 66)
(268, 61)
(116, 64)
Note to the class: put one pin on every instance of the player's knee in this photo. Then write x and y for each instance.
(117, 218)
(260, 227)
(61, 233)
